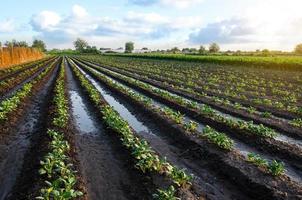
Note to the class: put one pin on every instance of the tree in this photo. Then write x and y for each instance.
(298, 49)
(265, 52)
(39, 44)
(202, 49)
(214, 48)
(21, 44)
(129, 47)
(80, 44)
(9, 44)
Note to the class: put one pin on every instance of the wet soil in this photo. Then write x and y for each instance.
(164, 146)
(284, 150)
(107, 168)
(22, 146)
(276, 123)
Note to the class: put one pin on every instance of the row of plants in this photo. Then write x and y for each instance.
(225, 102)
(251, 112)
(10, 104)
(9, 83)
(56, 167)
(208, 133)
(17, 68)
(274, 168)
(190, 77)
(279, 62)
(147, 160)
(203, 110)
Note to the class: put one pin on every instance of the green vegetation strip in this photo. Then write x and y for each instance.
(203, 110)
(57, 165)
(219, 139)
(275, 167)
(9, 105)
(274, 62)
(9, 83)
(147, 159)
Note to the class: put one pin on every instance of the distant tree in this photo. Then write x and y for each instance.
(265, 52)
(193, 50)
(80, 44)
(145, 48)
(9, 44)
(39, 44)
(22, 44)
(214, 48)
(298, 49)
(202, 50)
(175, 50)
(129, 47)
(185, 50)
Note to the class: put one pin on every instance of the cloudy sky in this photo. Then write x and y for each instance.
(157, 24)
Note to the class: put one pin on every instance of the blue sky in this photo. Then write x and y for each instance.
(157, 24)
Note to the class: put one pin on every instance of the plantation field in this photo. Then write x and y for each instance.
(151, 127)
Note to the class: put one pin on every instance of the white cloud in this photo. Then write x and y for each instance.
(56, 29)
(79, 11)
(182, 4)
(45, 20)
(7, 26)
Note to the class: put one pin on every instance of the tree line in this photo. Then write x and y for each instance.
(38, 44)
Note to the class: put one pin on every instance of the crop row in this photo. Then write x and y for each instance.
(290, 127)
(275, 168)
(9, 105)
(17, 68)
(190, 77)
(147, 159)
(242, 130)
(203, 110)
(290, 62)
(219, 139)
(236, 108)
(9, 83)
(56, 167)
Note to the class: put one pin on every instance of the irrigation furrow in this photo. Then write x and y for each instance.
(4, 77)
(275, 122)
(18, 146)
(283, 138)
(156, 134)
(24, 81)
(241, 147)
(107, 169)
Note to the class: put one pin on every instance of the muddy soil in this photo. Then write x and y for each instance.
(134, 124)
(207, 182)
(291, 153)
(107, 168)
(21, 148)
(276, 123)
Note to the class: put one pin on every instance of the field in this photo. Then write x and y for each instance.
(150, 126)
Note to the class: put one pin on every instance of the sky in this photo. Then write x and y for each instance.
(156, 24)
